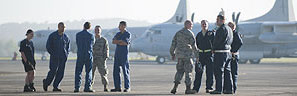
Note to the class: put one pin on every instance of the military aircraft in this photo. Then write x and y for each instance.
(41, 36)
(272, 35)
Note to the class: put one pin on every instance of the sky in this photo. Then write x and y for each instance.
(154, 11)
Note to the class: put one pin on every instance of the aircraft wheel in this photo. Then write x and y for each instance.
(242, 61)
(161, 60)
(43, 58)
(255, 61)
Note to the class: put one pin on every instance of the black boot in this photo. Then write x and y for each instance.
(44, 85)
(105, 88)
(27, 88)
(31, 85)
(173, 91)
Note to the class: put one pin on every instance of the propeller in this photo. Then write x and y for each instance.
(236, 19)
(233, 16)
(192, 17)
(222, 12)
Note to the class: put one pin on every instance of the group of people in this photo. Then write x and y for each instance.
(92, 52)
(216, 50)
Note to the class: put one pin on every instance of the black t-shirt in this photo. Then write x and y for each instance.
(204, 42)
(27, 47)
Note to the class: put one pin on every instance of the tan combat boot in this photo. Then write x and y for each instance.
(189, 90)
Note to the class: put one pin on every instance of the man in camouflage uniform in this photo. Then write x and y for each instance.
(183, 45)
(100, 55)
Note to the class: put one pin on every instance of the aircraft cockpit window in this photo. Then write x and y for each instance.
(157, 32)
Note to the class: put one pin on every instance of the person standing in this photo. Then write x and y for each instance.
(204, 41)
(101, 53)
(85, 42)
(235, 46)
(182, 47)
(221, 48)
(58, 46)
(27, 53)
(121, 58)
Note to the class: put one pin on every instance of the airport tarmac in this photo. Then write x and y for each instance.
(150, 78)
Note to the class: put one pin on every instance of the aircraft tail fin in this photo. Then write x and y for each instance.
(182, 13)
(282, 11)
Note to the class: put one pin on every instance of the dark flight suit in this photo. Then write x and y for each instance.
(58, 47)
(235, 46)
(85, 41)
(121, 57)
(221, 47)
(205, 58)
(27, 47)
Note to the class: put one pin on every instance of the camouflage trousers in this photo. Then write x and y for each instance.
(184, 66)
(100, 64)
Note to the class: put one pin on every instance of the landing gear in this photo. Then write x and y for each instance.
(43, 58)
(161, 60)
(240, 61)
(255, 61)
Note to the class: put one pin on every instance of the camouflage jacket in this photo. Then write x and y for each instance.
(101, 48)
(184, 45)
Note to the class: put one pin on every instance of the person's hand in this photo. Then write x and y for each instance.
(197, 60)
(115, 41)
(25, 59)
(123, 43)
(232, 53)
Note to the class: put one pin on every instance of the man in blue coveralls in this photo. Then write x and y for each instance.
(221, 48)
(204, 40)
(235, 46)
(85, 41)
(58, 47)
(122, 40)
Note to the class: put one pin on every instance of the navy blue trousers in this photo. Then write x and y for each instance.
(206, 60)
(118, 64)
(80, 62)
(222, 69)
(57, 67)
(234, 72)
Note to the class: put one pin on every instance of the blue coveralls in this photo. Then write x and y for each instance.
(121, 60)
(205, 58)
(58, 46)
(221, 45)
(235, 46)
(85, 41)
